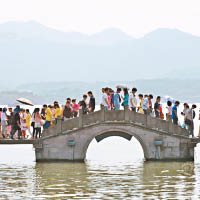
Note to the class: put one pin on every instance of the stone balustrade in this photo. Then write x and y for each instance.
(121, 116)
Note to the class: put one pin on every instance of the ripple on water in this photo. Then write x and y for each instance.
(99, 180)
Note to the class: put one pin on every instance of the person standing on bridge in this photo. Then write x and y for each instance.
(83, 104)
(38, 123)
(58, 111)
(189, 121)
(75, 108)
(4, 123)
(9, 120)
(133, 100)
(169, 111)
(157, 107)
(48, 117)
(125, 98)
(43, 112)
(145, 104)
(110, 99)
(175, 113)
(140, 109)
(91, 102)
(28, 121)
(15, 121)
(117, 99)
(150, 106)
(105, 101)
(67, 111)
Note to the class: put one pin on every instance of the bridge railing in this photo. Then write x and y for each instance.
(116, 116)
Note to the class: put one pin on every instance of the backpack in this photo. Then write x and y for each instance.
(67, 112)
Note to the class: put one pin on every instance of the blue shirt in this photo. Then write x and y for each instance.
(116, 99)
(173, 112)
(145, 104)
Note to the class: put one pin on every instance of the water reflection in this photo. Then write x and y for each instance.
(61, 179)
(168, 180)
(105, 178)
(94, 180)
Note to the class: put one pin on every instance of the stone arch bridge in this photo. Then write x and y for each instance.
(69, 140)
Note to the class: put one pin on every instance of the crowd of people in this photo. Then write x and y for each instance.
(16, 123)
(19, 123)
(113, 101)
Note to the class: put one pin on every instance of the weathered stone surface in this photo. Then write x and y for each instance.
(160, 140)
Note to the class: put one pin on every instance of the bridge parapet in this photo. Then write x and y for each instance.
(126, 116)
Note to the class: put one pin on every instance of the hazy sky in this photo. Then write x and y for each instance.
(135, 17)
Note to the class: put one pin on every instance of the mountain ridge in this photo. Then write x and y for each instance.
(164, 53)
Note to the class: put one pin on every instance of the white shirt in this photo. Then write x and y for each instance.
(104, 97)
(3, 116)
(189, 114)
(169, 110)
(134, 101)
(131, 97)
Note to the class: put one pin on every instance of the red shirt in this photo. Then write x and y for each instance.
(150, 103)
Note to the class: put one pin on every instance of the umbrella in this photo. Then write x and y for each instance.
(25, 101)
(168, 98)
(122, 87)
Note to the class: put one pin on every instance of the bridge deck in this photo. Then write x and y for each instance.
(193, 140)
(18, 141)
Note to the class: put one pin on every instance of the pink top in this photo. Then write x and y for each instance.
(109, 100)
(75, 107)
(37, 118)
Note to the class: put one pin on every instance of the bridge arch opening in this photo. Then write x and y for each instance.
(115, 147)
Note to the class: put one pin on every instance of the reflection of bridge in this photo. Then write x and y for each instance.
(69, 140)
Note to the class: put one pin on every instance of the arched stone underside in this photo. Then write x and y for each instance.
(72, 145)
(113, 133)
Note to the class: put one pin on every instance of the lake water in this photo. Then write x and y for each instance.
(110, 172)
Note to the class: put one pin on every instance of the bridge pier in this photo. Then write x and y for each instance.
(72, 150)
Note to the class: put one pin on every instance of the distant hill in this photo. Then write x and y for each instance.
(36, 31)
(31, 52)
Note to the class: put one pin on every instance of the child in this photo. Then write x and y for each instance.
(23, 128)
